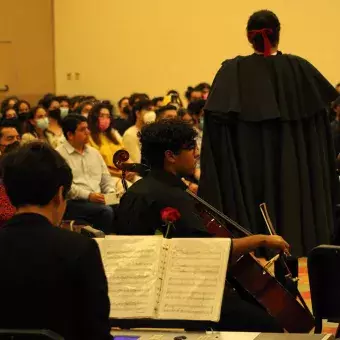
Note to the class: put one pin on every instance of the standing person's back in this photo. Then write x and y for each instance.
(267, 139)
(50, 278)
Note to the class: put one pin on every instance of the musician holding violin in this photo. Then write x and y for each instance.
(169, 149)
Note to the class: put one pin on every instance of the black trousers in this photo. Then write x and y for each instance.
(98, 215)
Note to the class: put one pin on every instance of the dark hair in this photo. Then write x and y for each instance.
(5, 102)
(172, 92)
(202, 86)
(33, 173)
(166, 134)
(55, 114)
(182, 112)
(188, 92)
(196, 107)
(8, 123)
(17, 105)
(47, 100)
(28, 127)
(64, 99)
(71, 122)
(337, 85)
(264, 19)
(76, 100)
(143, 104)
(136, 97)
(93, 124)
(121, 100)
(7, 109)
(162, 109)
(155, 100)
(82, 105)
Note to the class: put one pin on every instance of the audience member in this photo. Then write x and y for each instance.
(141, 115)
(91, 177)
(166, 112)
(9, 102)
(185, 116)
(175, 95)
(49, 102)
(8, 135)
(192, 94)
(105, 138)
(22, 107)
(54, 132)
(84, 108)
(123, 122)
(9, 113)
(157, 102)
(75, 102)
(50, 278)
(64, 102)
(204, 88)
(9, 140)
(35, 126)
(136, 97)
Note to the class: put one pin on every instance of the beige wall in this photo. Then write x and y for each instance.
(26, 48)
(121, 46)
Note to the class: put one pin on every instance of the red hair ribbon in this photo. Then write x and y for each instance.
(263, 32)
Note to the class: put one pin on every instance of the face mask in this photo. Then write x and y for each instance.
(42, 123)
(103, 124)
(201, 124)
(63, 112)
(149, 117)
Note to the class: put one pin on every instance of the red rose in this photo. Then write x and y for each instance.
(170, 215)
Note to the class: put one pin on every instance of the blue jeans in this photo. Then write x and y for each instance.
(98, 215)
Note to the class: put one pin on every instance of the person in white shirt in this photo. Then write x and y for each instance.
(91, 177)
(141, 115)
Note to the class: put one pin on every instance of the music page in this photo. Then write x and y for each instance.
(131, 266)
(194, 280)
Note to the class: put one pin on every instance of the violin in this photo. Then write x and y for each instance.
(249, 276)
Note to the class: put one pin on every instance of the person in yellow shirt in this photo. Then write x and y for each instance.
(105, 138)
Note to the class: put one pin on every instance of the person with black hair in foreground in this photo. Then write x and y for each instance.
(91, 177)
(267, 139)
(50, 278)
(169, 148)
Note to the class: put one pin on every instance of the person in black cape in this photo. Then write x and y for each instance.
(267, 139)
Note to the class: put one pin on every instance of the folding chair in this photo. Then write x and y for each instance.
(324, 280)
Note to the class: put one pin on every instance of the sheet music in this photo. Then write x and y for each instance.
(194, 279)
(131, 267)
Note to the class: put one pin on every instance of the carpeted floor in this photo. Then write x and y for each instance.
(304, 289)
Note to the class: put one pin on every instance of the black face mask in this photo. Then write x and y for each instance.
(11, 147)
(23, 116)
(126, 110)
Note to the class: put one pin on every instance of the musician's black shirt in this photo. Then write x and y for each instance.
(139, 212)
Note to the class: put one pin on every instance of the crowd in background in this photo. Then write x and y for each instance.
(108, 128)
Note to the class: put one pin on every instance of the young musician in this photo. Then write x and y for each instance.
(50, 278)
(169, 148)
(267, 139)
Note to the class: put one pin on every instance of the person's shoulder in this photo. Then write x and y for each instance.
(130, 131)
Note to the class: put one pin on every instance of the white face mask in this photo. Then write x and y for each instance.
(149, 117)
(63, 112)
(42, 123)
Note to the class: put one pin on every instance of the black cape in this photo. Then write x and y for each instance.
(267, 138)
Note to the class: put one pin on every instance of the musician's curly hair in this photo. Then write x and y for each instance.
(166, 134)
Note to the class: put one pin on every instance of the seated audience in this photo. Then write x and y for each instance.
(166, 112)
(193, 94)
(91, 177)
(157, 102)
(36, 124)
(84, 108)
(9, 102)
(9, 140)
(54, 132)
(50, 278)
(50, 102)
(9, 113)
(105, 138)
(169, 148)
(141, 115)
(205, 90)
(123, 122)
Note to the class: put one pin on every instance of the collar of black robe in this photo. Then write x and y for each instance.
(27, 220)
(167, 178)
